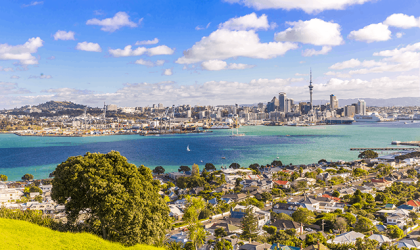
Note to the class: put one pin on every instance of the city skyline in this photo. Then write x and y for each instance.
(219, 52)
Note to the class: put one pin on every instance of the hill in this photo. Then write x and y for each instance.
(16, 234)
(55, 105)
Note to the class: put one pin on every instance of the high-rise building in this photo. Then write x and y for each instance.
(310, 89)
(282, 101)
(349, 110)
(362, 107)
(160, 106)
(333, 102)
(288, 105)
(273, 105)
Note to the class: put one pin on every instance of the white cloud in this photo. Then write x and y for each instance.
(9, 88)
(127, 51)
(40, 77)
(372, 63)
(214, 65)
(309, 6)
(313, 52)
(314, 31)
(6, 69)
(399, 34)
(250, 21)
(222, 44)
(120, 20)
(147, 42)
(93, 47)
(352, 63)
(167, 72)
(198, 27)
(22, 53)
(299, 74)
(371, 33)
(240, 66)
(33, 3)
(160, 50)
(63, 35)
(149, 63)
(337, 74)
(14, 77)
(402, 21)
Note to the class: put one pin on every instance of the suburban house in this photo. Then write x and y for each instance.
(262, 216)
(347, 238)
(288, 209)
(282, 184)
(288, 224)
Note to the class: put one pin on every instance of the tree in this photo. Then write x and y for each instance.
(159, 170)
(121, 199)
(303, 215)
(336, 194)
(27, 177)
(340, 224)
(249, 223)
(266, 196)
(413, 216)
(255, 167)
(33, 189)
(270, 229)
(220, 232)
(195, 171)
(366, 244)
(196, 232)
(38, 198)
(302, 184)
(381, 197)
(277, 163)
(235, 165)
(184, 169)
(368, 154)
(282, 216)
(363, 225)
(310, 175)
(3, 177)
(395, 232)
(209, 167)
(322, 160)
(224, 245)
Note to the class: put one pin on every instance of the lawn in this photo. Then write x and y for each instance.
(16, 234)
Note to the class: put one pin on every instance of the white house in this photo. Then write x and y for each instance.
(347, 238)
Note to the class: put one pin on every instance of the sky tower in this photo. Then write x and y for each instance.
(310, 88)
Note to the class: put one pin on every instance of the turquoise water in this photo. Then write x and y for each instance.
(40, 155)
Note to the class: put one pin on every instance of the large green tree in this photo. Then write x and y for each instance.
(159, 170)
(27, 177)
(249, 223)
(184, 169)
(119, 197)
(368, 154)
(3, 177)
(363, 225)
(395, 232)
(303, 215)
(196, 232)
(209, 167)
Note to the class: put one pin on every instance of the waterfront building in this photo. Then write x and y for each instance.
(333, 102)
(282, 101)
(349, 110)
(273, 105)
(361, 107)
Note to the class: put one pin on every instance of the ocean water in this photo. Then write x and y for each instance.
(298, 145)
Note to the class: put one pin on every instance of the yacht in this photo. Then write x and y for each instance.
(374, 117)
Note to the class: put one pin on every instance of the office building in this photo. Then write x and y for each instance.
(361, 107)
(333, 102)
(282, 101)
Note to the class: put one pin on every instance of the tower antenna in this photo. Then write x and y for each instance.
(310, 87)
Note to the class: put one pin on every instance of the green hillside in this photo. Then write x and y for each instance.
(16, 234)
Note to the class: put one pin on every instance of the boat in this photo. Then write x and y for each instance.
(188, 148)
(223, 157)
(373, 117)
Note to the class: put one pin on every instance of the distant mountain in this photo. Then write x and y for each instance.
(399, 101)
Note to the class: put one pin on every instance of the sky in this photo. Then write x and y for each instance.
(206, 52)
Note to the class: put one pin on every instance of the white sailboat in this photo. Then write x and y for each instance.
(188, 148)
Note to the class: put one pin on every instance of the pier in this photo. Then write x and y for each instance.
(384, 149)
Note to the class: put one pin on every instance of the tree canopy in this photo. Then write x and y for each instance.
(27, 177)
(303, 215)
(3, 177)
(121, 199)
(184, 169)
(277, 163)
(368, 154)
(234, 165)
(209, 167)
(249, 223)
(159, 170)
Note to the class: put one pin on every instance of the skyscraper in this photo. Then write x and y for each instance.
(310, 89)
(282, 101)
(333, 102)
(362, 107)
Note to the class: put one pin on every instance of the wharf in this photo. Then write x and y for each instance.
(385, 149)
(174, 133)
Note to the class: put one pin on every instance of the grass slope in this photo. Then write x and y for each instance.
(16, 234)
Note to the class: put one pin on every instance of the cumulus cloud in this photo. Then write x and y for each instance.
(352, 63)
(21, 53)
(167, 72)
(149, 63)
(214, 65)
(250, 21)
(399, 34)
(314, 31)
(63, 35)
(33, 3)
(14, 77)
(337, 74)
(93, 47)
(309, 6)
(120, 20)
(299, 74)
(128, 51)
(147, 42)
(313, 52)
(402, 21)
(371, 33)
(223, 44)
(6, 69)
(9, 88)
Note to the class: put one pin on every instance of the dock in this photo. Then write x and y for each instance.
(384, 149)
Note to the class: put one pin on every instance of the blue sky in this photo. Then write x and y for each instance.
(206, 52)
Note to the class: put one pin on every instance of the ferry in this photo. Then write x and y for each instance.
(374, 117)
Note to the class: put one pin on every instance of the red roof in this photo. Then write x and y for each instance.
(281, 182)
(413, 203)
(382, 180)
(330, 197)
